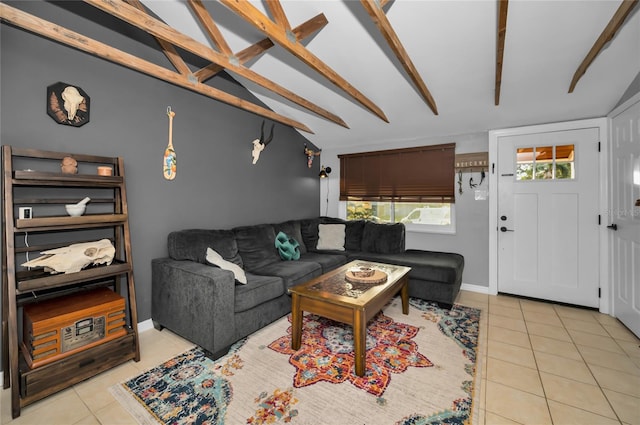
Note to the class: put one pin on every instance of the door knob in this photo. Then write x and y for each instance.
(504, 229)
(503, 217)
(613, 226)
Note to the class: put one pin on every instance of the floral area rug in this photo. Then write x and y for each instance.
(420, 369)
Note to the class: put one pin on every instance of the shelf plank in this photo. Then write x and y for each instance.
(46, 178)
(46, 281)
(46, 223)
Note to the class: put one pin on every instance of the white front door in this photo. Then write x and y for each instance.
(548, 212)
(625, 216)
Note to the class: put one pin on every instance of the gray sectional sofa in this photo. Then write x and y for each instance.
(208, 305)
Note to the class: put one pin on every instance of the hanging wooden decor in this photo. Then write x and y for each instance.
(170, 160)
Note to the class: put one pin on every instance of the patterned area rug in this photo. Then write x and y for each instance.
(420, 369)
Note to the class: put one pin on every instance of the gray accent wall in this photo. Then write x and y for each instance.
(216, 185)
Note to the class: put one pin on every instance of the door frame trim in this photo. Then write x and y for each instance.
(494, 135)
(610, 116)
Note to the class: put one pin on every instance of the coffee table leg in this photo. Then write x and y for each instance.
(296, 322)
(359, 340)
(404, 294)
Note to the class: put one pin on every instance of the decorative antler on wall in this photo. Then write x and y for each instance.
(310, 154)
(261, 143)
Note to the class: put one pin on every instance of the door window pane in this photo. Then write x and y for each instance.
(545, 162)
(524, 164)
(565, 166)
(543, 159)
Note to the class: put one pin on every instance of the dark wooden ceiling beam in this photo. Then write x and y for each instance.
(501, 30)
(278, 34)
(127, 13)
(607, 35)
(301, 32)
(385, 27)
(73, 39)
(168, 49)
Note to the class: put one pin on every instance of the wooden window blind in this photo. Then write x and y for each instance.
(423, 174)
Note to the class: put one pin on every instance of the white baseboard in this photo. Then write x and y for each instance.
(474, 288)
(145, 326)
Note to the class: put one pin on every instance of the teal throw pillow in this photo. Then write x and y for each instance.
(288, 248)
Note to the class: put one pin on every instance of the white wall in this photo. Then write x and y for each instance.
(472, 217)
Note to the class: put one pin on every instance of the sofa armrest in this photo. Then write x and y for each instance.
(195, 301)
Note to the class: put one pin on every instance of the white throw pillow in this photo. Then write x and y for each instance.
(216, 259)
(331, 236)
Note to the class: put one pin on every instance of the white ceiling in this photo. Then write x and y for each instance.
(452, 44)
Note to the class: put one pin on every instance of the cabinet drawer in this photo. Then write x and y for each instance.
(43, 381)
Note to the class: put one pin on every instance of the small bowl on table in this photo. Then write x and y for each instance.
(362, 271)
(75, 210)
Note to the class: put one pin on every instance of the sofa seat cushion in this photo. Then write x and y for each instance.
(291, 272)
(432, 266)
(259, 289)
(328, 262)
(192, 245)
(257, 246)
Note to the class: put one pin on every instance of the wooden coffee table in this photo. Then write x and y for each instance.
(333, 297)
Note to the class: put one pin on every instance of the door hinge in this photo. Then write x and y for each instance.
(599, 219)
(599, 293)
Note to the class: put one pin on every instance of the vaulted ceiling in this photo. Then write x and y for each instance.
(352, 73)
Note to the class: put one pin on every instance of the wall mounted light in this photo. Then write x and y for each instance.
(324, 172)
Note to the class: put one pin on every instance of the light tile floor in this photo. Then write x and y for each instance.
(539, 363)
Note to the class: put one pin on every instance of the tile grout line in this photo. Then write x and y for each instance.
(535, 360)
(588, 367)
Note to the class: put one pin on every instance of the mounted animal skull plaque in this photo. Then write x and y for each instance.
(310, 154)
(261, 143)
(68, 104)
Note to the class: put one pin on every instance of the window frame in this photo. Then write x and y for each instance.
(448, 229)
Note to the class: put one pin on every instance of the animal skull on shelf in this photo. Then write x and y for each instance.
(310, 154)
(75, 257)
(261, 143)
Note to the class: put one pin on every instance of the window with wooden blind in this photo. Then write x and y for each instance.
(413, 186)
(422, 174)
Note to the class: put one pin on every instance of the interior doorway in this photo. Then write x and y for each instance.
(624, 213)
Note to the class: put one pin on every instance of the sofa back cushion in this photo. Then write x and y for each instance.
(257, 245)
(353, 231)
(192, 244)
(292, 229)
(309, 231)
(383, 238)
